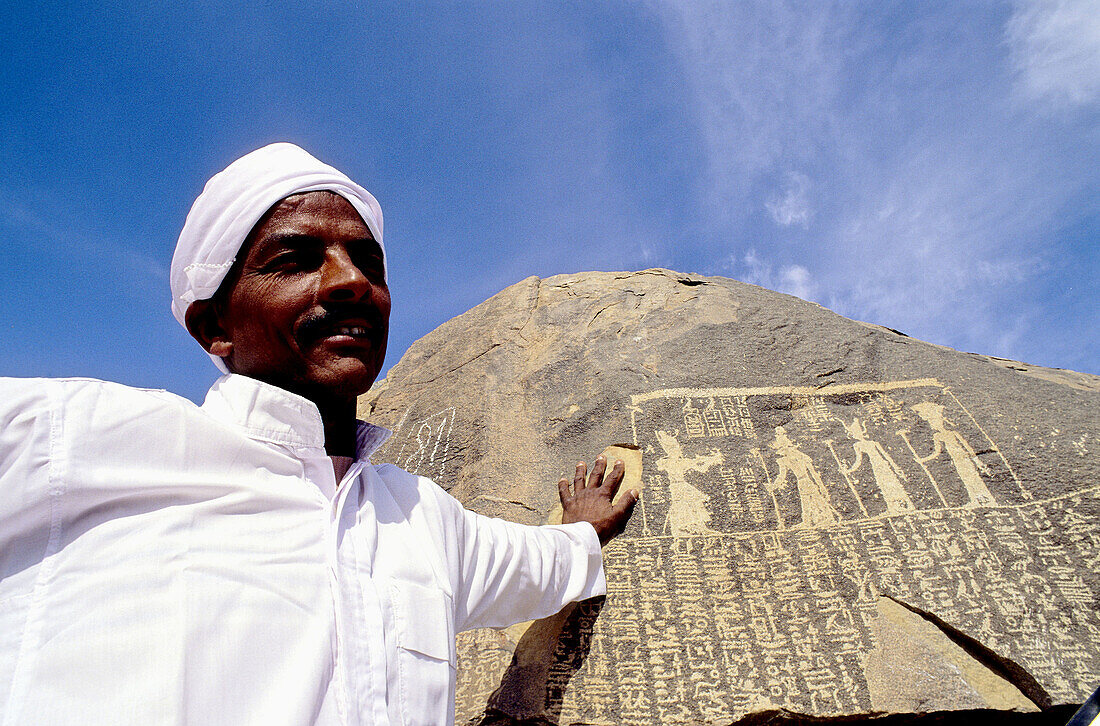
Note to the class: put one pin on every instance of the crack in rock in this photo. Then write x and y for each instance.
(1002, 666)
(460, 365)
(502, 500)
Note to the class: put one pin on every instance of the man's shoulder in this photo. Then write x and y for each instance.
(394, 475)
(406, 484)
(426, 506)
(84, 393)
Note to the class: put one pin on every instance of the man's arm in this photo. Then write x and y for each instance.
(591, 500)
(508, 572)
(502, 572)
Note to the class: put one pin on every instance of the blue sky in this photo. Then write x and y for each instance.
(932, 167)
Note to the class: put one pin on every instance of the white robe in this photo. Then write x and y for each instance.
(162, 563)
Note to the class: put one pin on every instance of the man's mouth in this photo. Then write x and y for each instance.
(354, 331)
(329, 324)
(357, 331)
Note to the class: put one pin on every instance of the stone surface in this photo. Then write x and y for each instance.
(837, 520)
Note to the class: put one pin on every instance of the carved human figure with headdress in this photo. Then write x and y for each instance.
(817, 510)
(687, 511)
(945, 438)
(888, 475)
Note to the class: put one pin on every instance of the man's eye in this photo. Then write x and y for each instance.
(371, 266)
(374, 270)
(294, 260)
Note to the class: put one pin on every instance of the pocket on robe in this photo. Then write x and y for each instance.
(425, 621)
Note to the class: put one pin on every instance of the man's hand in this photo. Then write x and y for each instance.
(591, 501)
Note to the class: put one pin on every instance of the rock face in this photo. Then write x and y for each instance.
(836, 520)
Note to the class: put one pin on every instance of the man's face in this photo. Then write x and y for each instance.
(309, 308)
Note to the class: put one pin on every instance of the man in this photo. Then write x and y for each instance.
(243, 562)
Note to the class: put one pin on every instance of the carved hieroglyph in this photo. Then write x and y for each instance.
(777, 530)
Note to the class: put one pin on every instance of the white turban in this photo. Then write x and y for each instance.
(231, 204)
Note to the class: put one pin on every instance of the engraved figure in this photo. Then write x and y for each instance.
(772, 487)
(423, 440)
(817, 511)
(693, 421)
(687, 510)
(713, 418)
(432, 440)
(888, 475)
(946, 439)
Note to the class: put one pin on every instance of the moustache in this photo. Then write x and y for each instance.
(319, 322)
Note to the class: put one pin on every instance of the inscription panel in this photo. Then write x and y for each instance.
(768, 459)
(773, 519)
(713, 627)
(772, 524)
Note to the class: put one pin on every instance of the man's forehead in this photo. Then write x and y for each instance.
(313, 213)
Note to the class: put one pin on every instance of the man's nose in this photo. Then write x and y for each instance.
(341, 279)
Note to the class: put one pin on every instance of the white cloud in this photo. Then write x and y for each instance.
(936, 207)
(921, 252)
(790, 279)
(795, 280)
(1055, 48)
(765, 79)
(793, 205)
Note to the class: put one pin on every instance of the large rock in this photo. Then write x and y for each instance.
(836, 520)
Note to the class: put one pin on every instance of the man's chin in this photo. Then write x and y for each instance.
(349, 378)
(330, 378)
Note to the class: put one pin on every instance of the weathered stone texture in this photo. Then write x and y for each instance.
(837, 520)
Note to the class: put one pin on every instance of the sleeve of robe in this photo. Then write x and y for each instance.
(26, 419)
(514, 572)
(504, 573)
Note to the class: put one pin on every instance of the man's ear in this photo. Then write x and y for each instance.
(204, 324)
